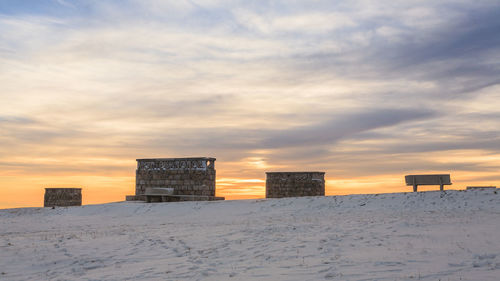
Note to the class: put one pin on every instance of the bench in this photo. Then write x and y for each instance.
(417, 180)
(161, 194)
(180, 198)
(157, 194)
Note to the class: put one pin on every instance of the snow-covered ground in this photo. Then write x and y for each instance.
(453, 235)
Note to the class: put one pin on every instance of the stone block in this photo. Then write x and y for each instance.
(62, 197)
(294, 184)
(193, 176)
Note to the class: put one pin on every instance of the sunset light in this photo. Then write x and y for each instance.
(249, 140)
(366, 94)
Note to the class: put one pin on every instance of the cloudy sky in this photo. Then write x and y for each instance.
(367, 91)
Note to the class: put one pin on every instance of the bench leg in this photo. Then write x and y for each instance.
(414, 188)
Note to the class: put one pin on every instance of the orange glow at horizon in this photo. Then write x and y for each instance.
(29, 191)
(87, 87)
(110, 180)
(17, 191)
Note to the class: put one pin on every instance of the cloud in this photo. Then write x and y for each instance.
(16, 120)
(292, 83)
(457, 55)
(343, 126)
(307, 23)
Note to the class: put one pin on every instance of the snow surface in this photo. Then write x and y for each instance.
(452, 235)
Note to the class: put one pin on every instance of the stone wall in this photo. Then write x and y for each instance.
(187, 176)
(62, 197)
(294, 184)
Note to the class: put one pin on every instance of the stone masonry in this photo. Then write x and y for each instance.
(294, 184)
(187, 176)
(62, 197)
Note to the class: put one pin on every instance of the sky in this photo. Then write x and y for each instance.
(366, 91)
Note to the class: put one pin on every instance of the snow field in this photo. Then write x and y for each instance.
(452, 235)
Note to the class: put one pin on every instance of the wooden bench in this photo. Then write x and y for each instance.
(417, 180)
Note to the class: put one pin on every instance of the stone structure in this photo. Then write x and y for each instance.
(194, 177)
(62, 197)
(294, 184)
(417, 180)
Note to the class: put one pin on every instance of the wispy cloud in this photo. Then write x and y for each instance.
(341, 127)
(293, 84)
